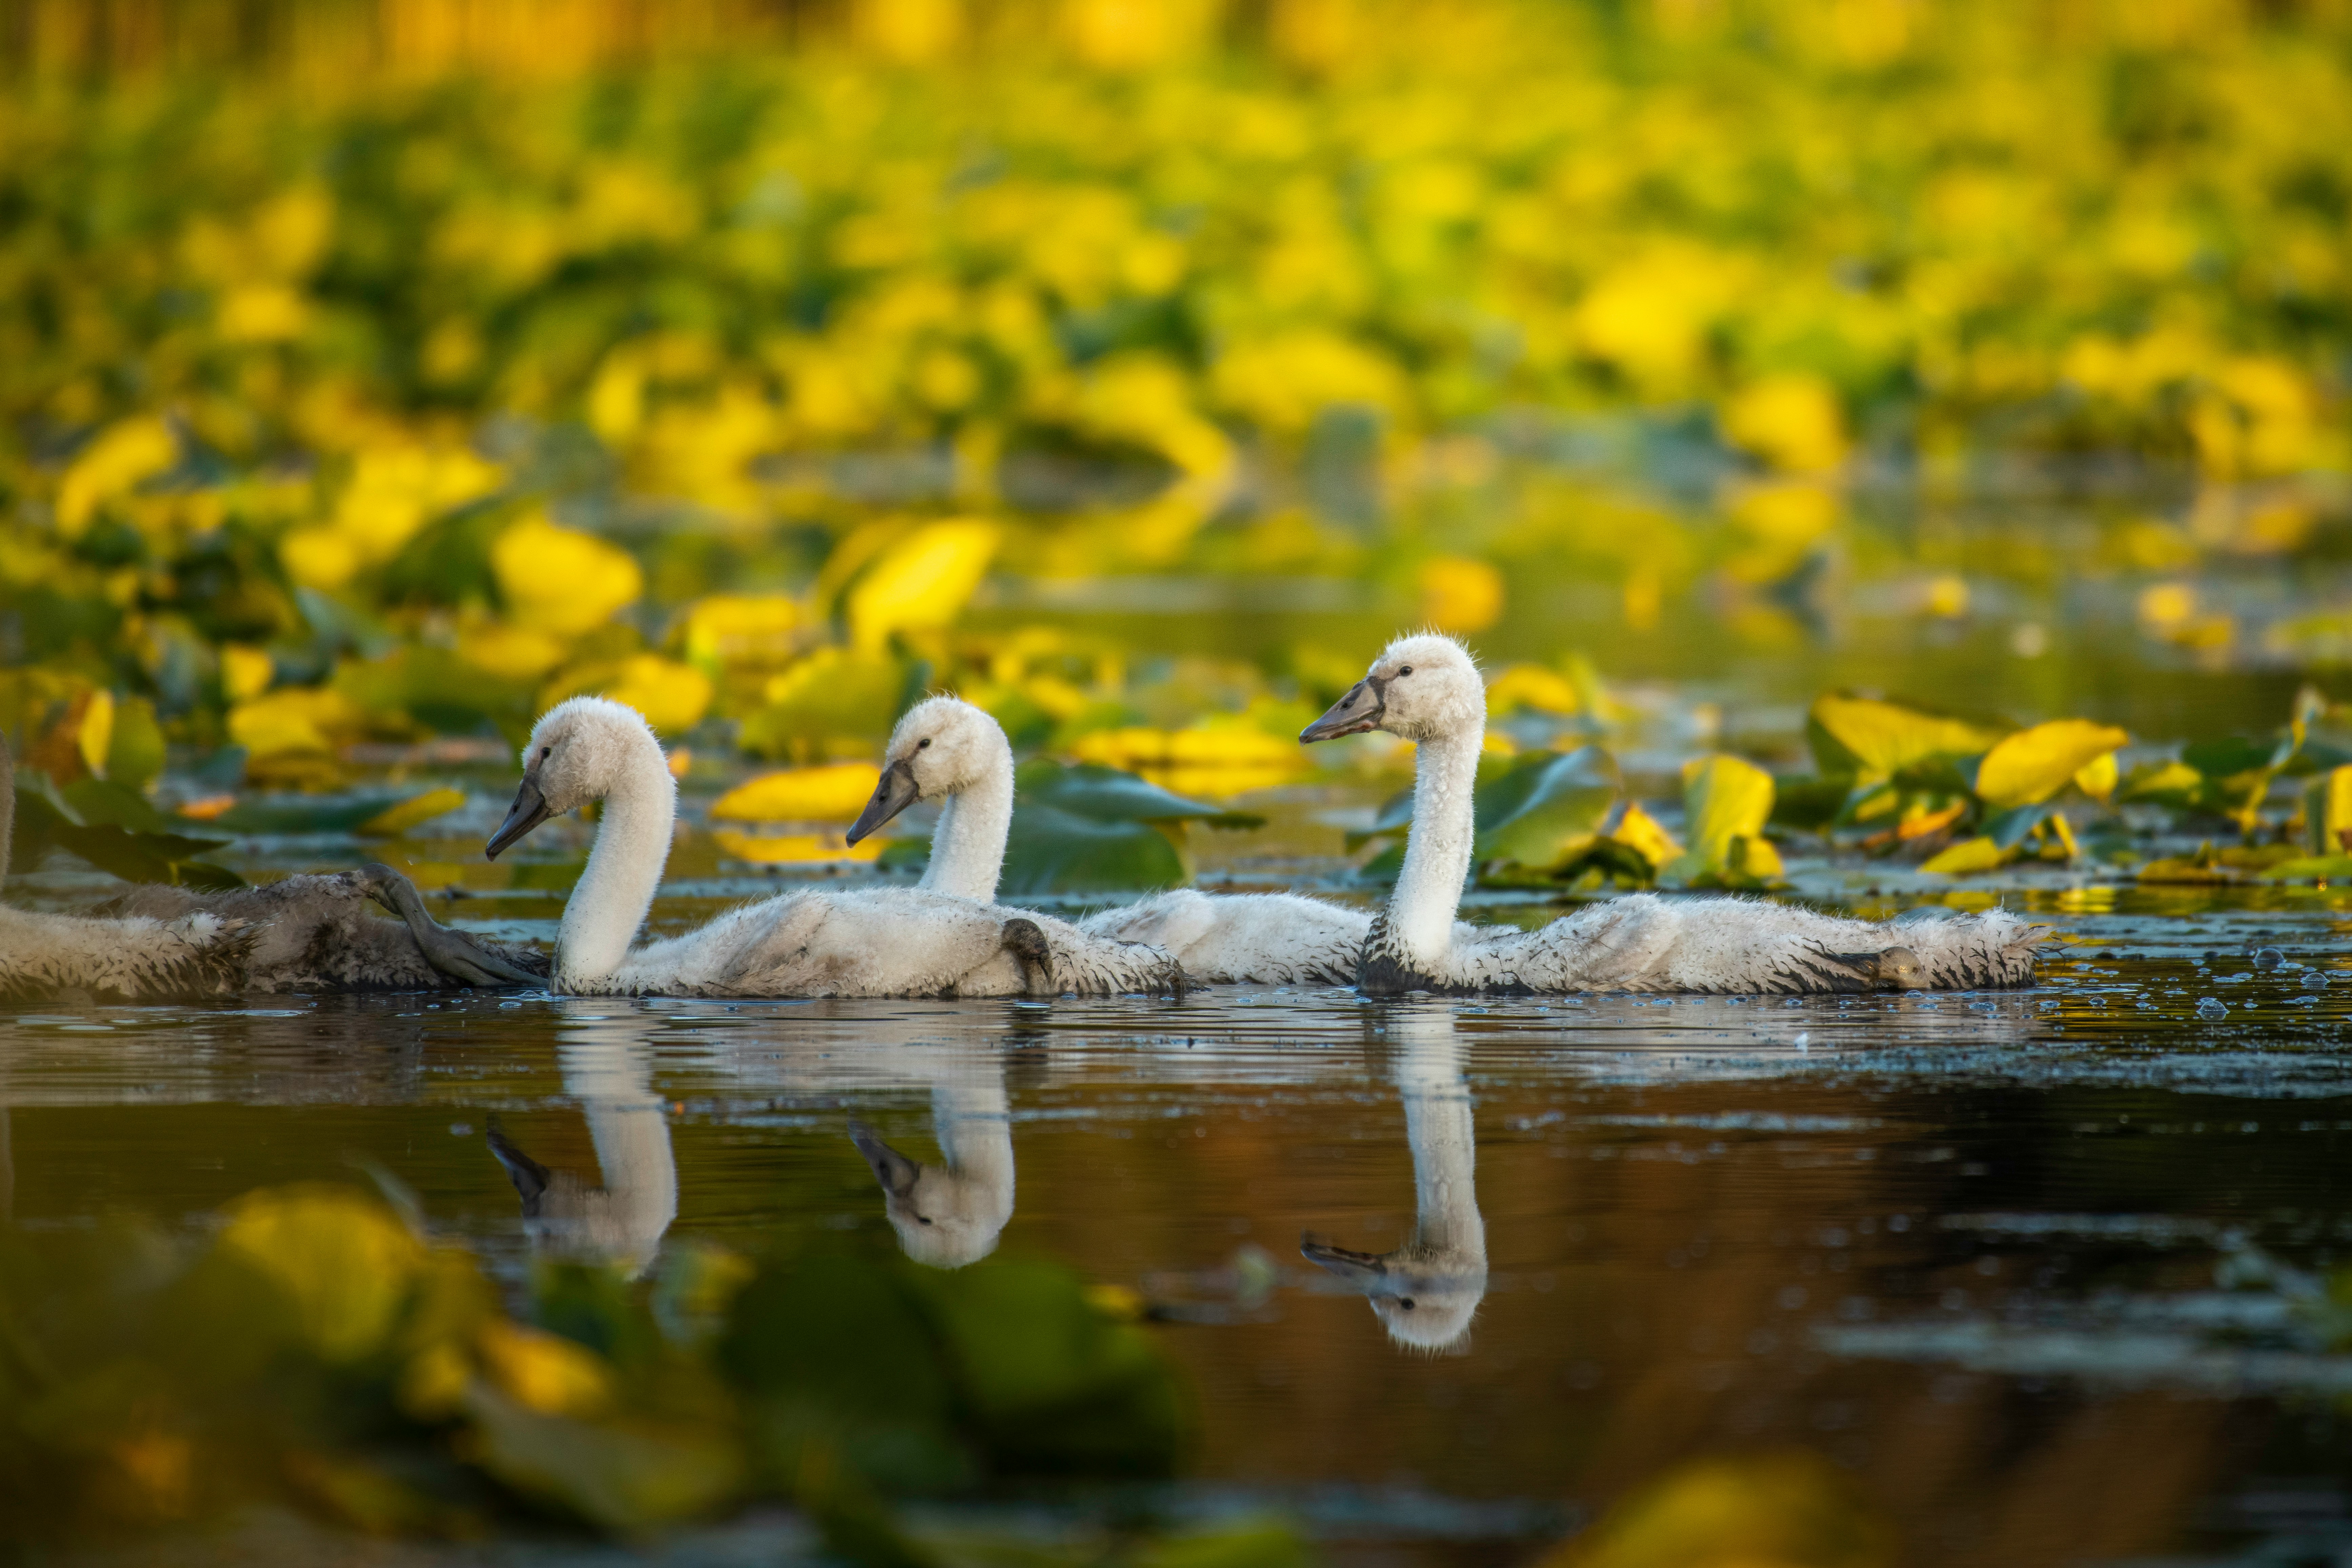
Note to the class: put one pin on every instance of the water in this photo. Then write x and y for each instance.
(2039, 1268)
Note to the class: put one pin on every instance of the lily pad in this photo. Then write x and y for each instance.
(1106, 795)
(1873, 739)
(1726, 801)
(1051, 850)
(1547, 807)
(2030, 765)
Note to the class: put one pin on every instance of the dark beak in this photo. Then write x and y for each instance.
(893, 1170)
(1362, 1269)
(530, 809)
(892, 794)
(1366, 704)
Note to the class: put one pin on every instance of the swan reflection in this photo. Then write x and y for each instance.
(1426, 1291)
(607, 1066)
(951, 1214)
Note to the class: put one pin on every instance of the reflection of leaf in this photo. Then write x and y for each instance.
(1547, 807)
(2031, 765)
(1873, 739)
(833, 793)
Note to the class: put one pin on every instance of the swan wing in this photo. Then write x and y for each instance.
(136, 958)
(1253, 938)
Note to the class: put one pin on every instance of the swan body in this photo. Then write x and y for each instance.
(1426, 690)
(1244, 938)
(951, 1214)
(945, 748)
(312, 932)
(888, 942)
(1426, 1292)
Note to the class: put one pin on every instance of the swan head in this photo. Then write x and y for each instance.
(943, 1220)
(1421, 688)
(1423, 1301)
(944, 746)
(581, 750)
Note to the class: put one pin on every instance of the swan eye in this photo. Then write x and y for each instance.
(924, 1217)
(923, 745)
(1404, 1302)
(545, 753)
(1406, 670)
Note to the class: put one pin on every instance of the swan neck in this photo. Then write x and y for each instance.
(1437, 855)
(1441, 1132)
(973, 1124)
(967, 845)
(614, 893)
(610, 1073)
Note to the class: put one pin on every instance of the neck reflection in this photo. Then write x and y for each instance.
(607, 1066)
(951, 1214)
(1426, 1292)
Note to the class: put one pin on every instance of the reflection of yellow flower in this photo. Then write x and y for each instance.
(556, 580)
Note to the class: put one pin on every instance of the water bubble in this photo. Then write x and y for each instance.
(2209, 1007)
(2268, 958)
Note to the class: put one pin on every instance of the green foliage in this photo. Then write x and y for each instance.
(115, 829)
(316, 1351)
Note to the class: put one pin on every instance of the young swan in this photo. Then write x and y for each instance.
(1426, 690)
(947, 749)
(312, 932)
(887, 941)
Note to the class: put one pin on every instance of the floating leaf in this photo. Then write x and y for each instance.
(672, 697)
(2327, 812)
(1864, 737)
(2097, 778)
(1106, 795)
(1967, 858)
(1546, 808)
(395, 820)
(1639, 831)
(1725, 799)
(837, 792)
(2030, 765)
(310, 814)
(559, 580)
(832, 693)
(796, 849)
(922, 582)
(1052, 850)
(623, 1476)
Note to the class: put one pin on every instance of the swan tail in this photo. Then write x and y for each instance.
(1992, 952)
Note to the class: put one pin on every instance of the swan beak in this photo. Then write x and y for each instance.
(893, 1170)
(530, 809)
(892, 794)
(1362, 1269)
(1361, 709)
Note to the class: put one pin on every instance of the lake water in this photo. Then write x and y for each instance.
(2037, 1268)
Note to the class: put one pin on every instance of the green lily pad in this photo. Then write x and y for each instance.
(1107, 794)
(1051, 850)
(1547, 808)
(1870, 738)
